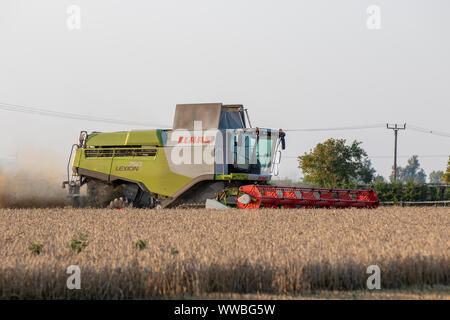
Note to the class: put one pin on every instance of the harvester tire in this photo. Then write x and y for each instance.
(76, 202)
(120, 203)
(100, 193)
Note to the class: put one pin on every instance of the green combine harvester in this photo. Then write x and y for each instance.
(209, 150)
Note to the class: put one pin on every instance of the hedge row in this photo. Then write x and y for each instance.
(410, 192)
(387, 191)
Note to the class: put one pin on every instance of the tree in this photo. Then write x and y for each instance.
(446, 177)
(411, 172)
(436, 176)
(378, 177)
(335, 164)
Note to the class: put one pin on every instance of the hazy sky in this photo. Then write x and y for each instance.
(293, 64)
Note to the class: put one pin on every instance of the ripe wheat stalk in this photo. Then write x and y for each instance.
(184, 253)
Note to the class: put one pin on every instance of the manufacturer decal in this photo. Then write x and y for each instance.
(190, 140)
(132, 166)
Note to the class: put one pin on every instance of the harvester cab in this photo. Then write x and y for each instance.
(209, 149)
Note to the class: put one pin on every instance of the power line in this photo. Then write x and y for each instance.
(67, 115)
(369, 126)
(430, 131)
(395, 128)
(75, 116)
(388, 157)
(421, 156)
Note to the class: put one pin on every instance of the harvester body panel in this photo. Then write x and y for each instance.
(147, 165)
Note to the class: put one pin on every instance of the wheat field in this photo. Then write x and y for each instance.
(135, 254)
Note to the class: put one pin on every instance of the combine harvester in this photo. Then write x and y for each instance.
(209, 156)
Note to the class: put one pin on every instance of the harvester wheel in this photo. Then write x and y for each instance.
(120, 203)
(100, 193)
(76, 202)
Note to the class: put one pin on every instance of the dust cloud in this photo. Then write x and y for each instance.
(33, 180)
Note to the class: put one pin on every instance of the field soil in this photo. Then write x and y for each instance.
(292, 254)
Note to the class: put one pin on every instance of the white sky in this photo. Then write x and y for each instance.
(293, 64)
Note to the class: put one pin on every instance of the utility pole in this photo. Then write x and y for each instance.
(395, 127)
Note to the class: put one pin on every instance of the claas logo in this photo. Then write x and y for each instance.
(189, 140)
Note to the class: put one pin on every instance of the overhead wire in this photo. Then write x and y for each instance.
(425, 130)
(387, 156)
(359, 127)
(68, 115)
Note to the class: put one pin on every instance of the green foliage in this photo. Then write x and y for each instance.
(410, 191)
(436, 176)
(35, 248)
(388, 191)
(411, 172)
(287, 183)
(378, 177)
(414, 192)
(446, 177)
(140, 244)
(335, 164)
(78, 242)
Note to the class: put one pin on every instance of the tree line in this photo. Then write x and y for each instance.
(336, 164)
